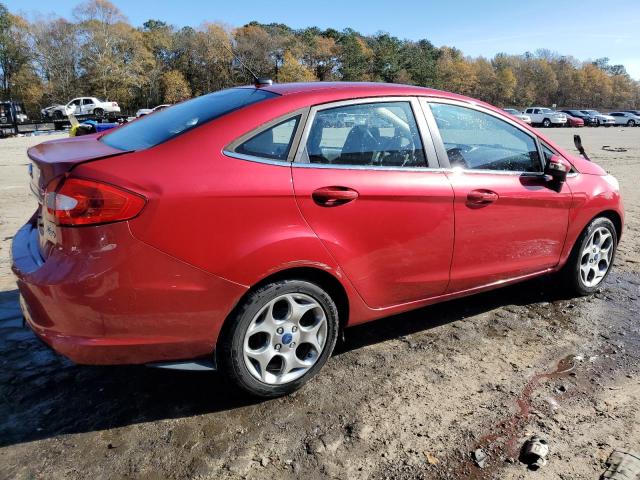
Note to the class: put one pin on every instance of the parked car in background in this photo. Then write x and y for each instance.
(81, 106)
(601, 119)
(147, 111)
(243, 229)
(546, 116)
(11, 110)
(574, 121)
(589, 120)
(635, 112)
(626, 118)
(518, 114)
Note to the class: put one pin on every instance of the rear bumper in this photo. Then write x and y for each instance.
(111, 299)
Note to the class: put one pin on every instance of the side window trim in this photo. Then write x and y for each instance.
(303, 113)
(418, 113)
(443, 158)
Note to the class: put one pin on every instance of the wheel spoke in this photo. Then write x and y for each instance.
(264, 321)
(310, 336)
(299, 309)
(292, 362)
(263, 357)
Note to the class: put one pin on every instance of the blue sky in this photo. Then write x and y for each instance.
(586, 29)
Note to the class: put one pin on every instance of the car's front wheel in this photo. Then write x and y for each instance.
(278, 338)
(631, 123)
(592, 257)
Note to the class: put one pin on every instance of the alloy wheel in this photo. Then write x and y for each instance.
(596, 257)
(285, 338)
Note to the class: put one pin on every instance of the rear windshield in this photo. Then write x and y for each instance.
(167, 123)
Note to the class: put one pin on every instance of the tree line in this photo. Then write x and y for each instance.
(46, 60)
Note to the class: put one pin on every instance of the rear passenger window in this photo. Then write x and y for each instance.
(475, 140)
(273, 143)
(381, 134)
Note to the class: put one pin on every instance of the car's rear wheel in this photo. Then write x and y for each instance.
(546, 123)
(57, 114)
(631, 123)
(98, 112)
(278, 338)
(592, 257)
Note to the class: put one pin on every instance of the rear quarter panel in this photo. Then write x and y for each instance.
(234, 218)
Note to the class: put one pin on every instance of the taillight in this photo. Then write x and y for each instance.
(79, 201)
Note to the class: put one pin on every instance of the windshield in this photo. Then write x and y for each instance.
(592, 112)
(167, 123)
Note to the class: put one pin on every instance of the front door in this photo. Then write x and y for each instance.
(363, 183)
(509, 223)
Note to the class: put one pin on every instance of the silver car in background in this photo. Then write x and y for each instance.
(626, 118)
(518, 114)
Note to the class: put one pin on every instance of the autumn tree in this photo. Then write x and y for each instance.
(113, 59)
(455, 73)
(14, 51)
(51, 60)
(355, 57)
(175, 87)
(293, 71)
(57, 56)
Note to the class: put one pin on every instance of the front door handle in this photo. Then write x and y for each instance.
(333, 196)
(481, 197)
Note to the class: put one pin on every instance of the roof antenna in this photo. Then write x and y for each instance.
(257, 81)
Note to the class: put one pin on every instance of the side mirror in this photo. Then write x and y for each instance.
(557, 168)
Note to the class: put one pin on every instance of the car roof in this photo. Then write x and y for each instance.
(355, 88)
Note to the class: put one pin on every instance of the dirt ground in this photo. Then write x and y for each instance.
(405, 397)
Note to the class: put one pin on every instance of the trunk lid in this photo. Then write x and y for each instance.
(56, 157)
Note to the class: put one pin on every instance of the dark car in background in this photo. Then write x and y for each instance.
(589, 120)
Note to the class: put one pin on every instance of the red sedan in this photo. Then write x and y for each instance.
(246, 227)
(574, 121)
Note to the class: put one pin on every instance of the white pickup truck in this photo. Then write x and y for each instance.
(545, 116)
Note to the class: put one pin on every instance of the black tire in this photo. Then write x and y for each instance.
(631, 123)
(546, 123)
(98, 112)
(57, 114)
(229, 351)
(570, 273)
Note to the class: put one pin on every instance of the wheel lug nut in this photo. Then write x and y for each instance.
(292, 344)
(294, 329)
(280, 330)
(278, 347)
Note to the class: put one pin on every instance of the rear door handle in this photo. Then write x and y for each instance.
(333, 196)
(481, 197)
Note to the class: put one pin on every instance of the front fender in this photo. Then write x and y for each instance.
(592, 196)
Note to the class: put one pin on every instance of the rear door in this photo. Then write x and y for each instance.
(509, 223)
(366, 180)
(88, 105)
